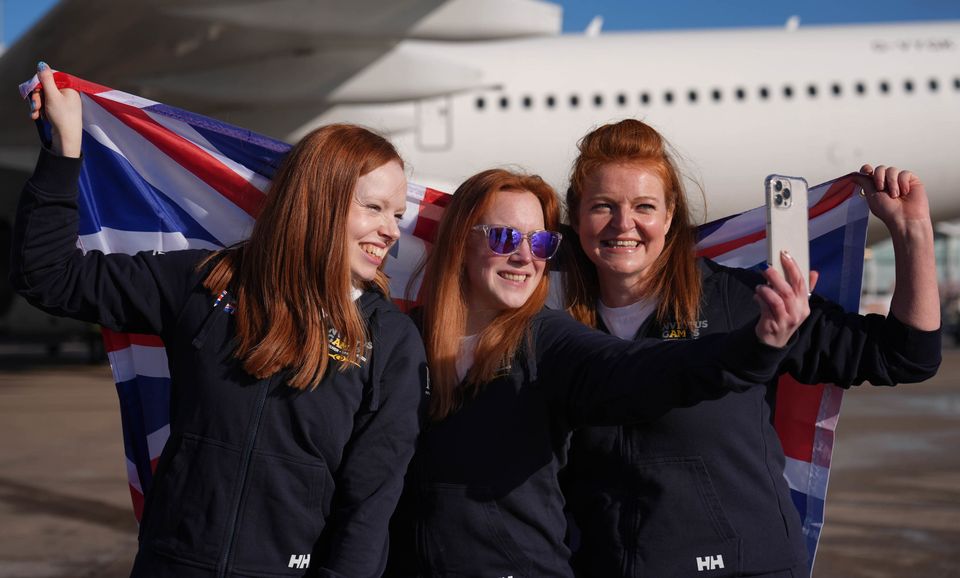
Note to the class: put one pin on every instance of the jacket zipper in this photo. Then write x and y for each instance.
(244, 472)
(632, 511)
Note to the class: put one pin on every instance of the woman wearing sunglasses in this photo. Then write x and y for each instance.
(511, 379)
(707, 481)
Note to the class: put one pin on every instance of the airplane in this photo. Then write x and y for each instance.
(464, 85)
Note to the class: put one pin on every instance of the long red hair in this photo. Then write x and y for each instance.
(443, 291)
(674, 278)
(292, 279)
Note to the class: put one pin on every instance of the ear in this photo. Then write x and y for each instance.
(669, 221)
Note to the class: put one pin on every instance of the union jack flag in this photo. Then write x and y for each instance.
(158, 178)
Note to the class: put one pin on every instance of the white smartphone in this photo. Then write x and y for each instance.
(787, 221)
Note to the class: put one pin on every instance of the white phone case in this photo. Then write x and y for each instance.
(787, 221)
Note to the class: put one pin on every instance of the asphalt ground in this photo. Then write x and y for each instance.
(893, 508)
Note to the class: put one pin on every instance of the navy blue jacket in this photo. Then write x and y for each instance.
(482, 496)
(707, 481)
(256, 476)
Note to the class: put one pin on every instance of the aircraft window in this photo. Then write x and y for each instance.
(527, 102)
(764, 92)
(884, 86)
(788, 91)
(504, 102)
(598, 100)
(622, 99)
(645, 98)
(668, 97)
(908, 85)
(717, 95)
(956, 83)
(812, 90)
(836, 89)
(574, 101)
(741, 94)
(481, 103)
(692, 96)
(551, 101)
(934, 85)
(860, 88)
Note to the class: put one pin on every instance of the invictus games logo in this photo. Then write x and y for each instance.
(338, 349)
(673, 330)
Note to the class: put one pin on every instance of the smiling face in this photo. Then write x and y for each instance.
(622, 221)
(379, 200)
(498, 282)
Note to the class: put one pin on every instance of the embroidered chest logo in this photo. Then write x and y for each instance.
(338, 349)
(229, 306)
(673, 330)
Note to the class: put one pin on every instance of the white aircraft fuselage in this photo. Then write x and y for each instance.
(735, 104)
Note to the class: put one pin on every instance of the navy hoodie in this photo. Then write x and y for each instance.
(700, 491)
(257, 478)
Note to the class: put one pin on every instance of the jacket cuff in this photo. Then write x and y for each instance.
(920, 347)
(55, 174)
(752, 359)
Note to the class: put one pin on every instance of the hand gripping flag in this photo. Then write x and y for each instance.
(157, 178)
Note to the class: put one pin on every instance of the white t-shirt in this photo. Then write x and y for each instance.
(625, 321)
(468, 347)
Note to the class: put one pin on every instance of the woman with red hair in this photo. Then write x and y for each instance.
(295, 382)
(511, 379)
(707, 481)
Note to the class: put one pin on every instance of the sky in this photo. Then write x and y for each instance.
(18, 15)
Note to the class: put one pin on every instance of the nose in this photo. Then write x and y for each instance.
(390, 228)
(622, 221)
(524, 253)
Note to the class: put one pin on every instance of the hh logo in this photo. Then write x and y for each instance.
(709, 563)
(299, 561)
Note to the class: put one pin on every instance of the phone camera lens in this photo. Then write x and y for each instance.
(786, 193)
(778, 186)
(778, 199)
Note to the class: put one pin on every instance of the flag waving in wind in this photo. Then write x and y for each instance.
(157, 178)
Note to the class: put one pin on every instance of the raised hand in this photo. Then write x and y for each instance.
(897, 197)
(62, 108)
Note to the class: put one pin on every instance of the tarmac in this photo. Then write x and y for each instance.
(893, 507)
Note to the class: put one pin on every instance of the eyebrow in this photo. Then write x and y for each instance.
(603, 197)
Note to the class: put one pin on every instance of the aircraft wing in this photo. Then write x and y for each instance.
(267, 65)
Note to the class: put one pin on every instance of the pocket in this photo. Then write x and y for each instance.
(465, 534)
(190, 501)
(665, 520)
(682, 529)
(677, 498)
(281, 515)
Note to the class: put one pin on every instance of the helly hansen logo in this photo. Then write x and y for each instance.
(299, 561)
(709, 563)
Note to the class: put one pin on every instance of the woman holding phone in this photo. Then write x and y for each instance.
(706, 482)
(295, 382)
(510, 379)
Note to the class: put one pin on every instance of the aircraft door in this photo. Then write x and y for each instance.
(434, 123)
